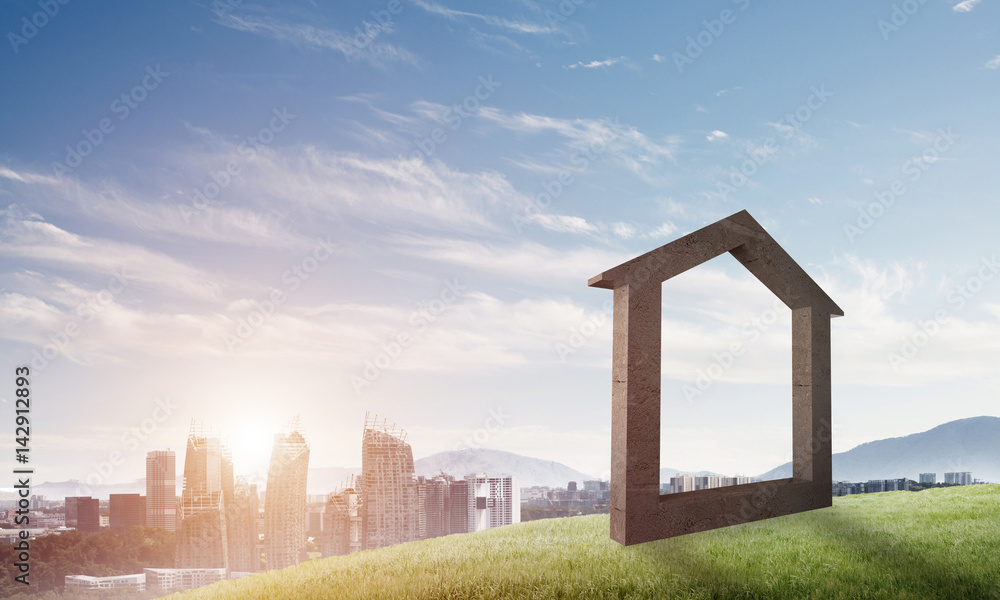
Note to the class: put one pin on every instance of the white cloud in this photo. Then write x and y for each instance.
(623, 230)
(659, 58)
(563, 223)
(815, 200)
(34, 241)
(716, 135)
(596, 64)
(522, 27)
(965, 6)
(994, 63)
(665, 230)
(376, 52)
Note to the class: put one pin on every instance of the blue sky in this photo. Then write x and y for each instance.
(239, 212)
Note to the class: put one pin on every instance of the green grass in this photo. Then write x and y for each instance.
(942, 543)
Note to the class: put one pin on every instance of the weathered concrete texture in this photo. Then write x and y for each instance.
(638, 512)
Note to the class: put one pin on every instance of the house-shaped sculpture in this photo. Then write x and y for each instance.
(638, 512)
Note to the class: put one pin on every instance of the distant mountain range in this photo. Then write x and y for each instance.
(965, 445)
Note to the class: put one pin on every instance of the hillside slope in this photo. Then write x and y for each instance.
(942, 543)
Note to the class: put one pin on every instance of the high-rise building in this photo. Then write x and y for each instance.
(493, 501)
(930, 478)
(161, 489)
(682, 483)
(126, 510)
(958, 478)
(343, 532)
(457, 514)
(388, 490)
(84, 513)
(285, 502)
(241, 527)
(202, 541)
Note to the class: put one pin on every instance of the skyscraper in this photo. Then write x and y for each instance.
(84, 513)
(493, 501)
(202, 541)
(388, 491)
(126, 510)
(161, 489)
(241, 527)
(285, 502)
(343, 533)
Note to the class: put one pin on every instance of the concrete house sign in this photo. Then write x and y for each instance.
(638, 512)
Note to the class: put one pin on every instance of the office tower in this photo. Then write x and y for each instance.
(285, 503)
(83, 513)
(88, 514)
(343, 531)
(433, 505)
(161, 489)
(493, 501)
(928, 478)
(241, 527)
(682, 483)
(202, 541)
(388, 492)
(457, 513)
(127, 510)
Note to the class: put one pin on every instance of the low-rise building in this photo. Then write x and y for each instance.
(136, 582)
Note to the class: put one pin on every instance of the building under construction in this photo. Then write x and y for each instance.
(285, 500)
(202, 540)
(388, 491)
(241, 525)
(343, 529)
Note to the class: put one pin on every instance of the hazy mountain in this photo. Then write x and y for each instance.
(529, 471)
(323, 480)
(57, 490)
(965, 445)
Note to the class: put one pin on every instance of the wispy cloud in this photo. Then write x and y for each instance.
(523, 27)
(663, 231)
(375, 51)
(597, 64)
(716, 135)
(563, 223)
(965, 6)
(994, 63)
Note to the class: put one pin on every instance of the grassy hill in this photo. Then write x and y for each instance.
(942, 543)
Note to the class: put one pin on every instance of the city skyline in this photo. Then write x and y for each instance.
(254, 211)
